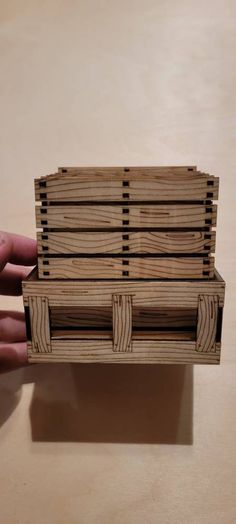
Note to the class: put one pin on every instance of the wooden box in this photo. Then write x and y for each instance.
(125, 267)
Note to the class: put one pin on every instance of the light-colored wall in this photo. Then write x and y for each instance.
(118, 82)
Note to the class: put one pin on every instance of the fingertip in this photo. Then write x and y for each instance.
(5, 249)
(20, 350)
(24, 250)
(17, 249)
(13, 356)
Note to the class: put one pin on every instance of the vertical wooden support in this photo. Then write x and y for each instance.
(208, 306)
(40, 324)
(122, 322)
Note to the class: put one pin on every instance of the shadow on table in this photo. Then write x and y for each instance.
(10, 393)
(113, 403)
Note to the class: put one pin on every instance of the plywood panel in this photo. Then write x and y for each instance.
(136, 267)
(145, 293)
(159, 242)
(143, 352)
(99, 216)
(141, 183)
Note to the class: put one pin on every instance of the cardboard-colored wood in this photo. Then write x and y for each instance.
(207, 322)
(147, 317)
(40, 324)
(127, 267)
(119, 170)
(122, 322)
(155, 345)
(147, 293)
(140, 183)
(139, 242)
(60, 334)
(143, 352)
(133, 216)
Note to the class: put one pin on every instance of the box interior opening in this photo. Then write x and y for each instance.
(148, 323)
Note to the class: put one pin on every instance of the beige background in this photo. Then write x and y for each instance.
(99, 82)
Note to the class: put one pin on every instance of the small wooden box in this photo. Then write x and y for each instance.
(125, 267)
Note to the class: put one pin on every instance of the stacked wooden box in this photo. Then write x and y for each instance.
(125, 267)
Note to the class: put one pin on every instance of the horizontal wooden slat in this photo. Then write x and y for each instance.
(148, 267)
(108, 335)
(153, 293)
(135, 242)
(143, 352)
(120, 170)
(141, 317)
(147, 184)
(99, 216)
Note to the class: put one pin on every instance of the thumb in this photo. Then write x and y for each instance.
(5, 249)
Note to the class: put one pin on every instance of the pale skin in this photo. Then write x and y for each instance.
(16, 252)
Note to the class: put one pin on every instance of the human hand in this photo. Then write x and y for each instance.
(16, 251)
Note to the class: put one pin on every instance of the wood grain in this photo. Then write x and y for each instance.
(120, 170)
(108, 183)
(207, 322)
(141, 317)
(187, 242)
(105, 267)
(151, 293)
(104, 226)
(143, 352)
(68, 345)
(154, 334)
(122, 322)
(40, 325)
(114, 187)
(99, 216)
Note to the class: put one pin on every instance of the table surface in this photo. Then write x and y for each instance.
(118, 83)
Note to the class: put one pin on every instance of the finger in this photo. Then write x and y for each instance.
(11, 279)
(12, 326)
(17, 249)
(12, 356)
